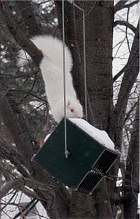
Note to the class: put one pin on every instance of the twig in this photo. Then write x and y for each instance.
(128, 114)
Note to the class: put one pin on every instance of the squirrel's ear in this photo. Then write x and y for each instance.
(68, 104)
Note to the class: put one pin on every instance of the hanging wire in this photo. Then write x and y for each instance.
(85, 70)
(64, 79)
(64, 69)
(84, 59)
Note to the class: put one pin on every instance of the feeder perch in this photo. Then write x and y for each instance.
(87, 164)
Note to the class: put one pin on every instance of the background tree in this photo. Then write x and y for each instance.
(25, 118)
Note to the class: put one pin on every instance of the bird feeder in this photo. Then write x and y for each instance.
(87, 163)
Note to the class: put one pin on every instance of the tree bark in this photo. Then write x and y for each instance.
(131, 182)
(99, 35)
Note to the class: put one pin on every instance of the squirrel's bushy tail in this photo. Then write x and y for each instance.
(52, 49)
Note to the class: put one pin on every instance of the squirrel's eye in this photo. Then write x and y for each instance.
(72, 110)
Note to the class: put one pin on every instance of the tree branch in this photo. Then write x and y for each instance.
(132, 171)
(6, 152)
(119, 73)
(119, 5)
(131, 72)
(126, 24)
(130, 111)
(130, 4)
(19, 35)
(23, 137)
(28, 17)
(27, 145)
(6, 169)
(12, 184)
(18, 183)
(28, 192)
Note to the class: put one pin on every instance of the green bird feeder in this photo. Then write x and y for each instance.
(87, 162)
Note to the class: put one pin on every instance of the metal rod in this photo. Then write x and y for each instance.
(85, 70)
(64, 78)
(64, 69)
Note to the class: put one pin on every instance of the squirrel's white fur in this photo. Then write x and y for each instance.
(52, 71)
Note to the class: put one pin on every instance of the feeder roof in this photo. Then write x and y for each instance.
(99, 135)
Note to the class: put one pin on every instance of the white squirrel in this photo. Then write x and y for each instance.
(52, 71)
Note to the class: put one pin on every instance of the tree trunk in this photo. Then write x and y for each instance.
(131, 182)
(99, 35)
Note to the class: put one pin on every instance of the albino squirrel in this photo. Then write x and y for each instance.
(52, 71)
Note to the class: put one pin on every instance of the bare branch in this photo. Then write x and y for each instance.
(29, 92)
(14, 120)
(129, 64)
(8, 202)
(25, 142)
(130, 4)
(28, 17)
(31, 89)
(28, 192)
(125, 23)
(19, 183)
(19, 35)
(6, 152)
(6, 169)
(12, 184)
(127, 30)
(26, 209)
(119, 5)
(130, 111)
(132, 171)
(119, 73)
(131, 72)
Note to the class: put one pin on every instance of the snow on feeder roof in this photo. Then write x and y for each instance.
(92, 154)
(99, 135)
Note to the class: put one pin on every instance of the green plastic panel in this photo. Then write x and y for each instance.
(84, 154)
